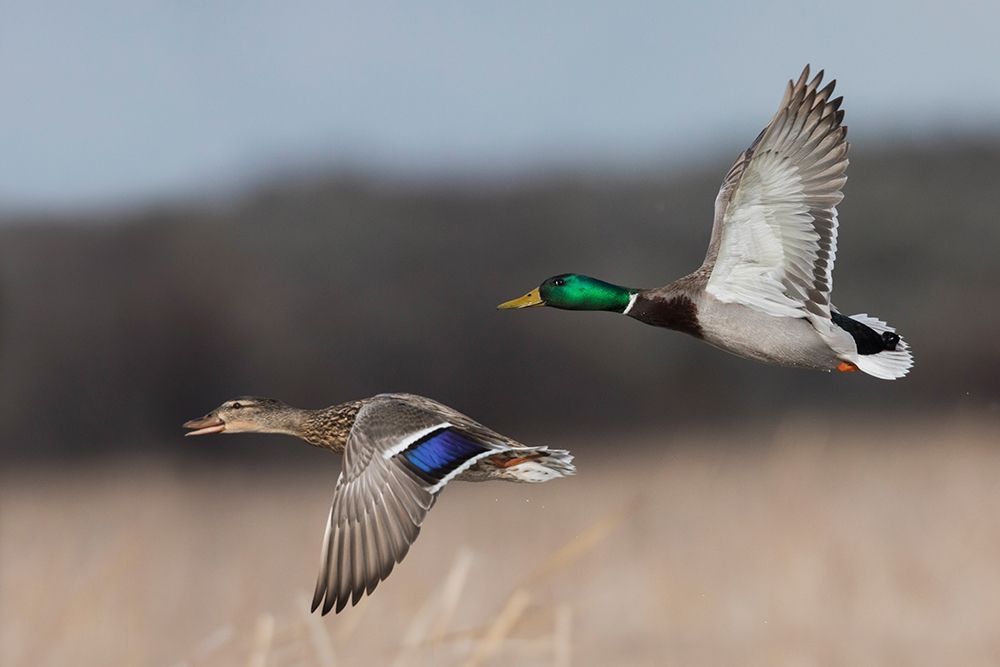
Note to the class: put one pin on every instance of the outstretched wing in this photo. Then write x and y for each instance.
(398, 457)
(774, 241)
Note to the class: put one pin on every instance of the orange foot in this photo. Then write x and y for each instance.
(846, 367)
(510, 463)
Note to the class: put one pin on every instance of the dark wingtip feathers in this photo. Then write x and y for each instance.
(328, 603)
(317, 595)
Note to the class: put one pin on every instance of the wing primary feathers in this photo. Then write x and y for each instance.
(774, 241)
(341, 567)
(374, 558)
(324, 560)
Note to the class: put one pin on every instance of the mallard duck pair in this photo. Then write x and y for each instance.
(763, 292)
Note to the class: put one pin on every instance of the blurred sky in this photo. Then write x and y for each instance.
(116, 101)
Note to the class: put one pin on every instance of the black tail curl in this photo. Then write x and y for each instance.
(867, 339)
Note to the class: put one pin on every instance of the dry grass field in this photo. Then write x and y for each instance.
(805, 545)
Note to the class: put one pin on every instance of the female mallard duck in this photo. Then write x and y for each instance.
(763, 291)
(399, 452)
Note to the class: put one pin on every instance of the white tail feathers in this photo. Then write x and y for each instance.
(888, 364)
(544, 464)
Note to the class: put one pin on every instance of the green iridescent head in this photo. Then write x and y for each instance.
(573, 291)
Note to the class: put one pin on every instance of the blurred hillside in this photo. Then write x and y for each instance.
(114, 330)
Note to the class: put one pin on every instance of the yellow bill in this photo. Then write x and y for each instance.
(529, 300)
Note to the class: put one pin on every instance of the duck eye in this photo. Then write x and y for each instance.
(558, 282)
(235, 406)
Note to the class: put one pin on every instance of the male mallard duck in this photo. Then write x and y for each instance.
(399, 452)
(763, 291)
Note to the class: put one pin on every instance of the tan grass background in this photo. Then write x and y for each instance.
(811, 543)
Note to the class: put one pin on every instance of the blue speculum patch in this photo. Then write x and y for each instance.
(441, 452)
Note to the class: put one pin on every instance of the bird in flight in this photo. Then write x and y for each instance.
(400, 450)
(764, 289)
